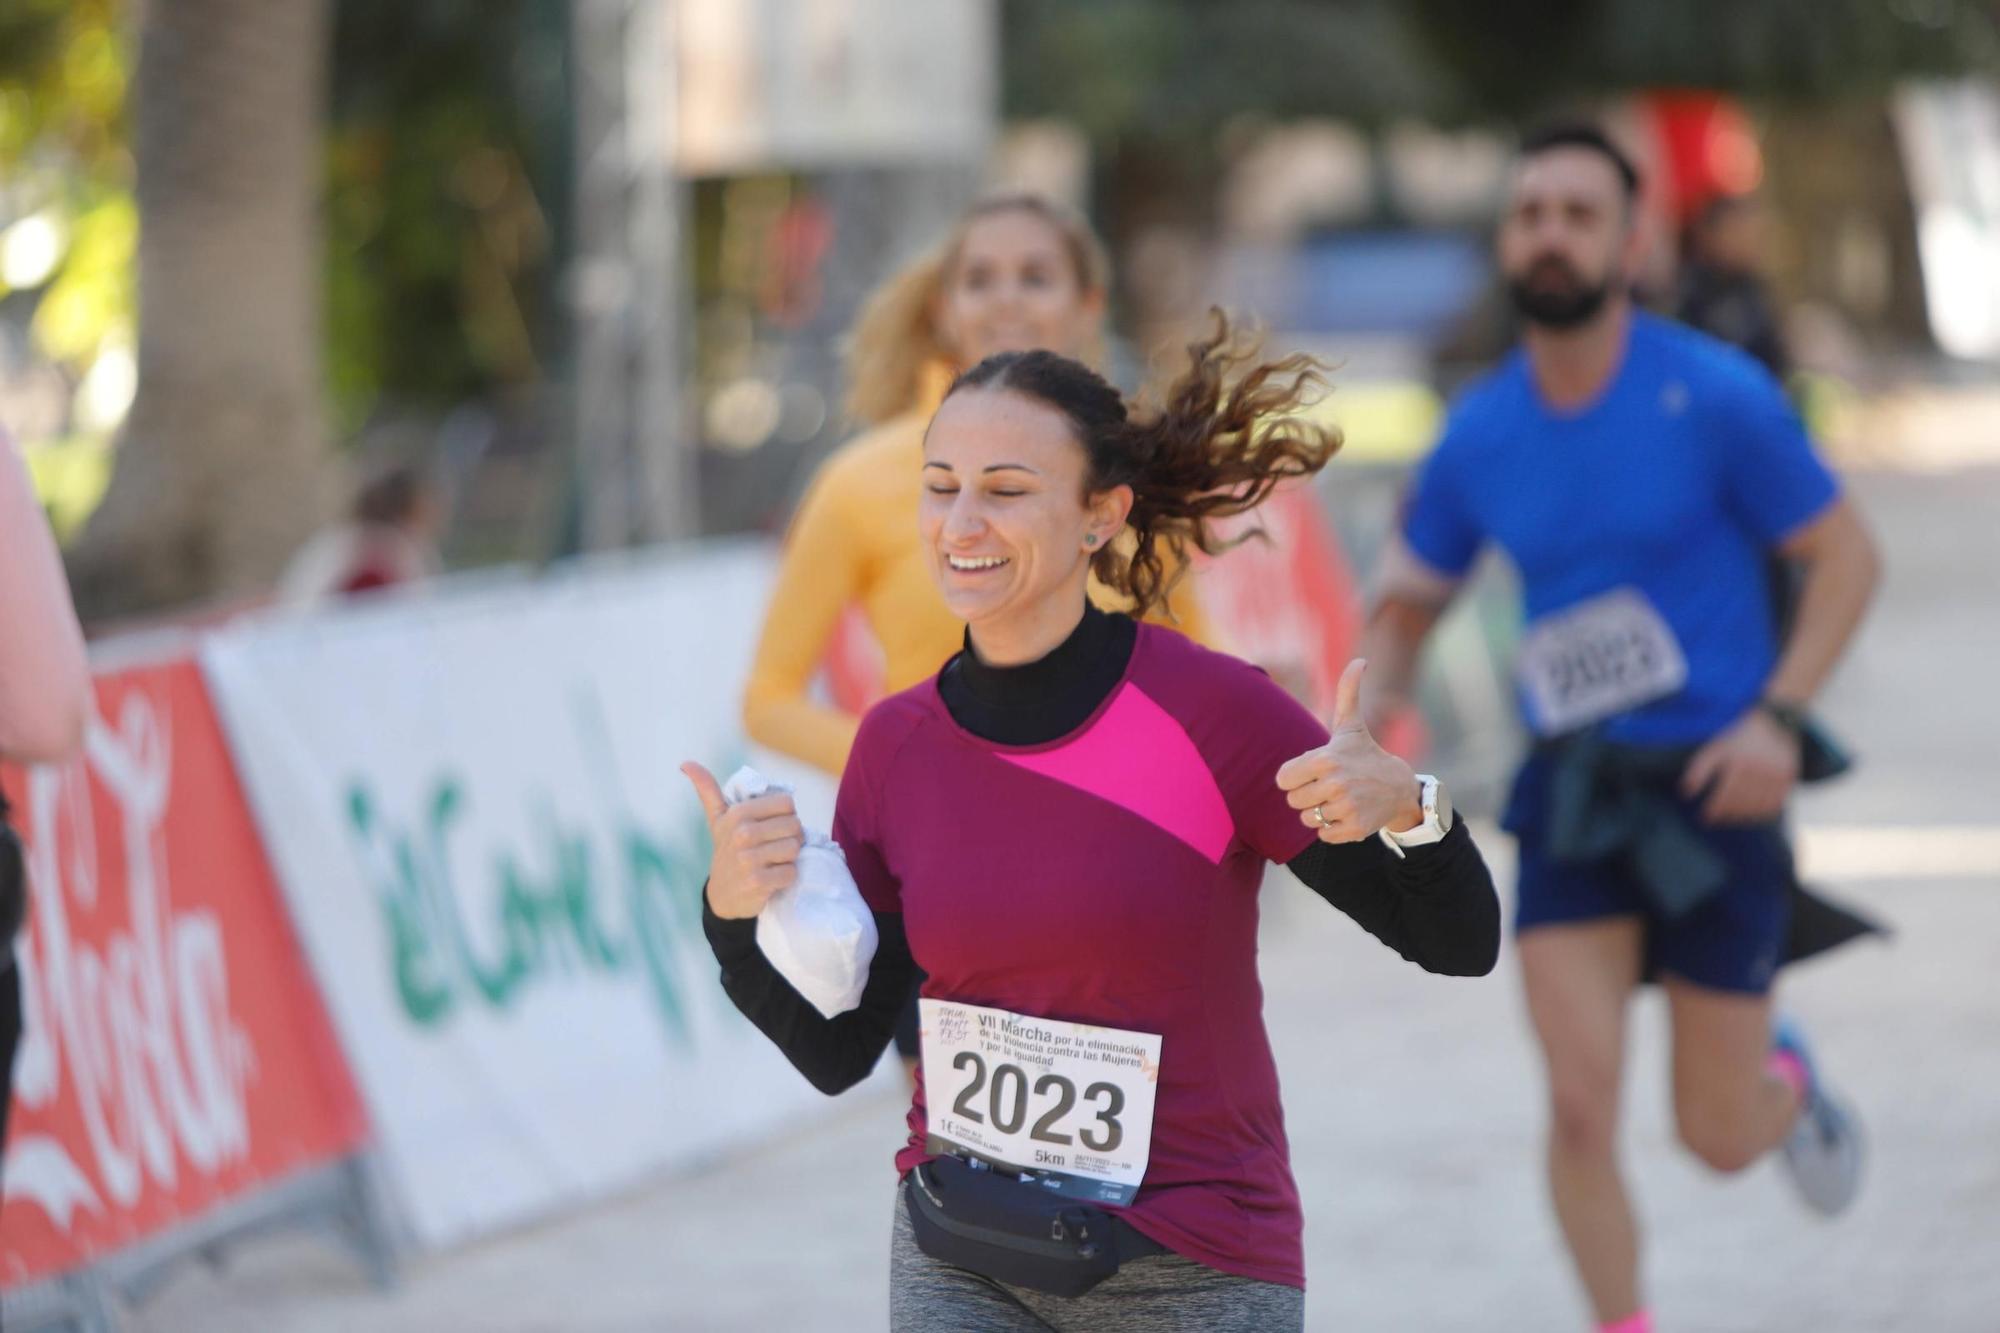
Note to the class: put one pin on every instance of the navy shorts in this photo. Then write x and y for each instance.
(1731, 942)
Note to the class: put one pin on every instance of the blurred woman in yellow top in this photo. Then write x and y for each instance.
(1016, 273)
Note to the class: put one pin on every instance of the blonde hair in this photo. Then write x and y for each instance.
(896, 336)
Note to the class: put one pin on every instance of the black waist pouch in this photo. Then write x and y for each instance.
(1013, 1232)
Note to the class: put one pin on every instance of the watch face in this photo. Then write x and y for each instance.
(1444, 814)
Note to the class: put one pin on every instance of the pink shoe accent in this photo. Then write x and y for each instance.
(1137, 757)
(1639, 1322)
(1790, 1068)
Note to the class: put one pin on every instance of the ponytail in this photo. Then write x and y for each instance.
(893, 340)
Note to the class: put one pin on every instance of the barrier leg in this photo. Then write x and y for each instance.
(73, 1303)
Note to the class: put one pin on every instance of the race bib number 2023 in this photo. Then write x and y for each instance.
(1068, 1105)
(1601, 657)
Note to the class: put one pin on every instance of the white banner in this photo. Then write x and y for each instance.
(472, 801)
(1950, 136)
(774, 85)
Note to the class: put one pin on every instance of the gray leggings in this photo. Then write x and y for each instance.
(1160, 1293)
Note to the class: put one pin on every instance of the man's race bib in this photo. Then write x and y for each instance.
(1604, 656)
(1067, 1105)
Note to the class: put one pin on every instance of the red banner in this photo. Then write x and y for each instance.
(854, 666)
(176, 1052)
(1290, 604)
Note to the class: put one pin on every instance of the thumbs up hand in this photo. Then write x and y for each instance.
(1350, 788)
(757, 844)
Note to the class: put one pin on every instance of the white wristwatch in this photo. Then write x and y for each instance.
(1437, 818)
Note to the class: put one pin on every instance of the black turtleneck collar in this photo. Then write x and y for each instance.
(1048, 698)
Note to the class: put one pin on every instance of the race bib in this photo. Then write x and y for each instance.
(1604, 656)
(1067, 1105)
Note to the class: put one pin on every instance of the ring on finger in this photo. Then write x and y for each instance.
(1319, 814)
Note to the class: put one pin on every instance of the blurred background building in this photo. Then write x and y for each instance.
(591, 262)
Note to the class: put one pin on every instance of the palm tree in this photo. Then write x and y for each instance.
(223, 468)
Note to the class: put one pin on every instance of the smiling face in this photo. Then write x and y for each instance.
(1013, 286)
(1006, 522)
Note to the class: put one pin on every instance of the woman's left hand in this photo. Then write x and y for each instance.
(1351, 788)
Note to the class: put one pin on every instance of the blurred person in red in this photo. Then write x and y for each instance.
(390, 538)
(44, 703)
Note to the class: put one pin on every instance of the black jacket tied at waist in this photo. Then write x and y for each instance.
(1601, 800)
(1607, 800)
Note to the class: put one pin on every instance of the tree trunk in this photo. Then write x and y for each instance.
(223, 469)
(1840, 172)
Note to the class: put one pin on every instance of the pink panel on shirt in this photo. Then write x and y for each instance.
(1137, 757)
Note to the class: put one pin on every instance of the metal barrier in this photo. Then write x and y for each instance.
(72, 1303)
(339, 1201)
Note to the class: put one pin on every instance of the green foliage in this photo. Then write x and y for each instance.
(64, 69)
(1173, 70)
(69, 475)
(1516, 60)
(446, 168)
(445, 154)
(90, 300)
(1509, 60)
(64, 65)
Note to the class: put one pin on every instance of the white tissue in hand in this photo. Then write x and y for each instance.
(819, 933)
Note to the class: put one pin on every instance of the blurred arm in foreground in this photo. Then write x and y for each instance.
(44, 674)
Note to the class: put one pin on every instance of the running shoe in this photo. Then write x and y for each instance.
(1824, 1152)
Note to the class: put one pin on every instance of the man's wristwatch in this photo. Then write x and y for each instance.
(1789, 716)
(1436, 803)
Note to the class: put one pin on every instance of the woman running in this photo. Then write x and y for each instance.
(1017, 272)
(1067, 827)
(44, 706)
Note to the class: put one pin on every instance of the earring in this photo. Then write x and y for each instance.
(1090, 539)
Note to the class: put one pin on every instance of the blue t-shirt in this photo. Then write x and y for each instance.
(1675, 483)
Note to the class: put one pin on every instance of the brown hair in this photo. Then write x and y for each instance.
(1225, 434)
(896, 334)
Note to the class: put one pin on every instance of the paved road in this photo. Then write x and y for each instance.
(1412, 1101)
